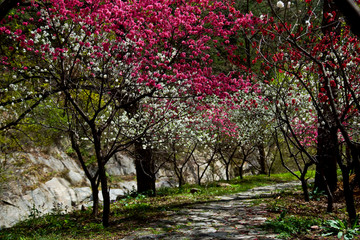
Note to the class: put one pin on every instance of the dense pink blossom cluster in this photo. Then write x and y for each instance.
(317, 67)
(165, 41)
(138, 46)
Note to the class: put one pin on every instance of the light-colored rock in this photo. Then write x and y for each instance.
(61, 191)
(83, 194)
(114, 193)
(165, 183)
(221, 184)
(121, 165)
(75, 178)
(232, 219)
(10, 215)
(128, 186)
(42, 184)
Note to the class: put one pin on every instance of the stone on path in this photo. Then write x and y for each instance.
(232, 217)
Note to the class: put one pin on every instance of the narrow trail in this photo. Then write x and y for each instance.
(231, 217)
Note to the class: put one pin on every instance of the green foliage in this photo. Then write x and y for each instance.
(236, 185)
(45, 124)
(9, 142)
(316, 194)
(275, 206)
(54, 225)
(34, 213)
(288, 226)
(42, 128)
(341, 229)
(70, 151)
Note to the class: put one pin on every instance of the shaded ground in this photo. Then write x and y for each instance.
(309, 220)
(178, 214)
(230, 217)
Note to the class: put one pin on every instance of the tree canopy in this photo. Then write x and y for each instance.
(113, 74)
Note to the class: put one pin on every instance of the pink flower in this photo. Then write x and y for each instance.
(18, 31)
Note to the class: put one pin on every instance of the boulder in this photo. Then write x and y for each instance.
(114, 193)
(75, 178)
(221, 184)
(121, 165)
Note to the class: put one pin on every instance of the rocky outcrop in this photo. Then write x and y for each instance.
(35, 183)
(120, 165)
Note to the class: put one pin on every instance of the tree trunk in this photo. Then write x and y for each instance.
(262, 158)
(93, 179)
(355, 162)
(105, 194)
(305, 190)
(348, 193)
(180, 175)
(102, 177)
(227, 169)
(326, 169)
(201, 175)
(241, 169)
(198, 173)
(326, 174)
(95, 195)
(351, 11)
(304, 182)
(181, 178)
(227, 165)
(144, 165)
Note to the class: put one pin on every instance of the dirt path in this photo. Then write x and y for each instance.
(231, 217)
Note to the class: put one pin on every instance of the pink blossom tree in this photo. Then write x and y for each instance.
(317, 52)
(114, 66)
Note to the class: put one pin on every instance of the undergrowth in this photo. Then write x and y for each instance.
(130, 212)
(288, 226)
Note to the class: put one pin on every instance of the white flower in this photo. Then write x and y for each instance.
(289, 4)
(280, 4)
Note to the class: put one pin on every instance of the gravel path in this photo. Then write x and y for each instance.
(231, 217)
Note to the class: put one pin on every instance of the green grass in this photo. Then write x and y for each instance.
(236, 185)
(289, 226)
(131, 212)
